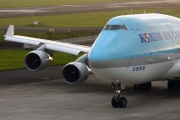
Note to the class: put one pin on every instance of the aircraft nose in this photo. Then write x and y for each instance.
(103, 47)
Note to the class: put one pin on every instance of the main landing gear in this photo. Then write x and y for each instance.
(144, 86)
(118, 101)
(173, 84)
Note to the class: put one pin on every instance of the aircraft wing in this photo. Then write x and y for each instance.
(73, 49)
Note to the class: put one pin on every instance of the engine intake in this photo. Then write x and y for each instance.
(75, 72)
(37, 60)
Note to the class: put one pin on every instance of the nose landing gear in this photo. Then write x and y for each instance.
(118, 101)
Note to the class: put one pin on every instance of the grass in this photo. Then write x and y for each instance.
(27, 3)
(93, 19)
(2, 33)
(14, 59)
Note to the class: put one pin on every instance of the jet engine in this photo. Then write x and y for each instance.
(37, 60)
(75, 72)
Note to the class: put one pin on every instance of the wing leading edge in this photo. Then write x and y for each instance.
(73, 49)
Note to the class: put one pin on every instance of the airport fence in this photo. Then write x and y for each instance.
(60, 34)
(54, 34)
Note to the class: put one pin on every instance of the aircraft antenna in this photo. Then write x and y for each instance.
(144, 11)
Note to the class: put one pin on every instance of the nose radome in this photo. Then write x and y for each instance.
(103, 47)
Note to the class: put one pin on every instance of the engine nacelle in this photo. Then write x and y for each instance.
(75, 72)
(37, 60)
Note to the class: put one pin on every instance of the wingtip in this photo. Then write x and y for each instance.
(10, 31)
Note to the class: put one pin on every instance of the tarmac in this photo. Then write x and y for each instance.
(43, 95)
(53, 99)
(23, 76)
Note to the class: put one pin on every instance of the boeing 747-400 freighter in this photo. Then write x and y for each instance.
(131, 49)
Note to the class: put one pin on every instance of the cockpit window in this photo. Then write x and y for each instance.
(107, 27)
(115, 27)
(123, 27)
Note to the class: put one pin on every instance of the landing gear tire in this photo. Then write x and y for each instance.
(118, 101)
(122, 102)
(144, 86)
(171, 84)
(136, 87)
(114, 102)
(147, 86)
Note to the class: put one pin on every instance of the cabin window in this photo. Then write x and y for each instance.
(115, 27)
